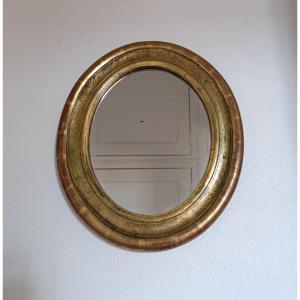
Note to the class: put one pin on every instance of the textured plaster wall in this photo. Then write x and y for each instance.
(249, 253)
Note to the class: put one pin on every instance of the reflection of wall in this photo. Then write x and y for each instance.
(151, 124)
(249, 253)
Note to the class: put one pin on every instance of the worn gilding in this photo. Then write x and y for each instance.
(203, 206)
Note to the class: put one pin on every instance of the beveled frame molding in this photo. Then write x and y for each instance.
(207, 201)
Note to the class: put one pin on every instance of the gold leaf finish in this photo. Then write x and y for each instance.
(207, 201)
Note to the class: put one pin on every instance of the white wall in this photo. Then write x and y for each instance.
(249, 253)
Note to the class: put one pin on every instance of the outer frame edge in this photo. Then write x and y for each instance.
(214, 212)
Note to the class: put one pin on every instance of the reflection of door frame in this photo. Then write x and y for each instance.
(198, 131)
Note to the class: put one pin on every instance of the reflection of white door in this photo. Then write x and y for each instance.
(149, 146)
(144, 115)
(148, 191)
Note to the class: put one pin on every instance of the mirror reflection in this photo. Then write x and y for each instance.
(150, 141)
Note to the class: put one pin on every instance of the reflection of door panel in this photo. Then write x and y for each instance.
(147, 191)
(150, 142)
(196, 160)
(148, 117)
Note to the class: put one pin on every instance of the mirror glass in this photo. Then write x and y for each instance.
(150, 141)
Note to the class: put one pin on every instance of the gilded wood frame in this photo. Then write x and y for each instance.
(207, 201)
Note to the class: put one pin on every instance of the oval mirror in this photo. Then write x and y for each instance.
(150, 145)
(150, 141)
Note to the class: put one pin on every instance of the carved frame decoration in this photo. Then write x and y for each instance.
(207, 201)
